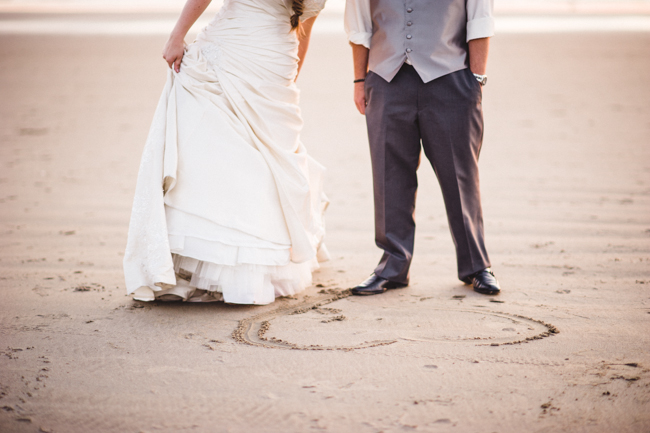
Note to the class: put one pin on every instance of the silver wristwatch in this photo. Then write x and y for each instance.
(482, 79)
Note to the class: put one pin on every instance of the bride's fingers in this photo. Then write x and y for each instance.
(167, 60)
(177, 64)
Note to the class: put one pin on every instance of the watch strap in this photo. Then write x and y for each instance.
(482, 79)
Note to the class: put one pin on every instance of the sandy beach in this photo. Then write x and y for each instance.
(565, 176)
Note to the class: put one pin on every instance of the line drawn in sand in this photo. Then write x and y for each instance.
(252, 330)
(547, 330)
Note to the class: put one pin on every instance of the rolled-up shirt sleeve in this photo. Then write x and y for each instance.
(358, 22)
(480, 23)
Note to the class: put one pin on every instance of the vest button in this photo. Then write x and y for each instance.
(408, 50)
(409, 10)
(408, 36)
(410, 23)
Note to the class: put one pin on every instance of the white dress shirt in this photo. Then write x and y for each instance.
(358, 21)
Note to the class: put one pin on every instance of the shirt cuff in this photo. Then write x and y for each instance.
(359, 38)
(480, 28)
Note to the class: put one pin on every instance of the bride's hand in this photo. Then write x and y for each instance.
(173, 53)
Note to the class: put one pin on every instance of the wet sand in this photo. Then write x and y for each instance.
(565, 172)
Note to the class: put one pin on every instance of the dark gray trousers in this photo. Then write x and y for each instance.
(445, 118)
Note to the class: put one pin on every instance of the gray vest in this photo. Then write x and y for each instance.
(429, 33)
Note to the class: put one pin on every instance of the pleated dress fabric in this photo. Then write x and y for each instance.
(228, 204)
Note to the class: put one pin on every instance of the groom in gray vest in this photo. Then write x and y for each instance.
(419, 67)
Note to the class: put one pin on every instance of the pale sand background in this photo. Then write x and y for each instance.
(566, 190)
(501, 6)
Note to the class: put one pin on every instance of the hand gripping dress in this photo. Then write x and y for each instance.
(228, 205)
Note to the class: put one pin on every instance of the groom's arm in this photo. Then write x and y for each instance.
(480, 26)
(478, 55)
(358, 26)
(360, 59)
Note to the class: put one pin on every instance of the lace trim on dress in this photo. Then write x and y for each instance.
(212, 53)
(199, 281)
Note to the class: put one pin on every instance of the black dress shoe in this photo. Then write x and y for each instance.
(375, 285)
(484, 282)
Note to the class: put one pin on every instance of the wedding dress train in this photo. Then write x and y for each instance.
(228, 205)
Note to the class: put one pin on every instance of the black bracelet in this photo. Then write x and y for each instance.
(360, 80)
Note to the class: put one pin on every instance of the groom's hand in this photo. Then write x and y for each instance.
(360, 97)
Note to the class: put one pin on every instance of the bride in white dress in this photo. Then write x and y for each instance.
(228, 205)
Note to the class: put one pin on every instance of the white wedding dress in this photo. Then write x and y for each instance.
(228, 205)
